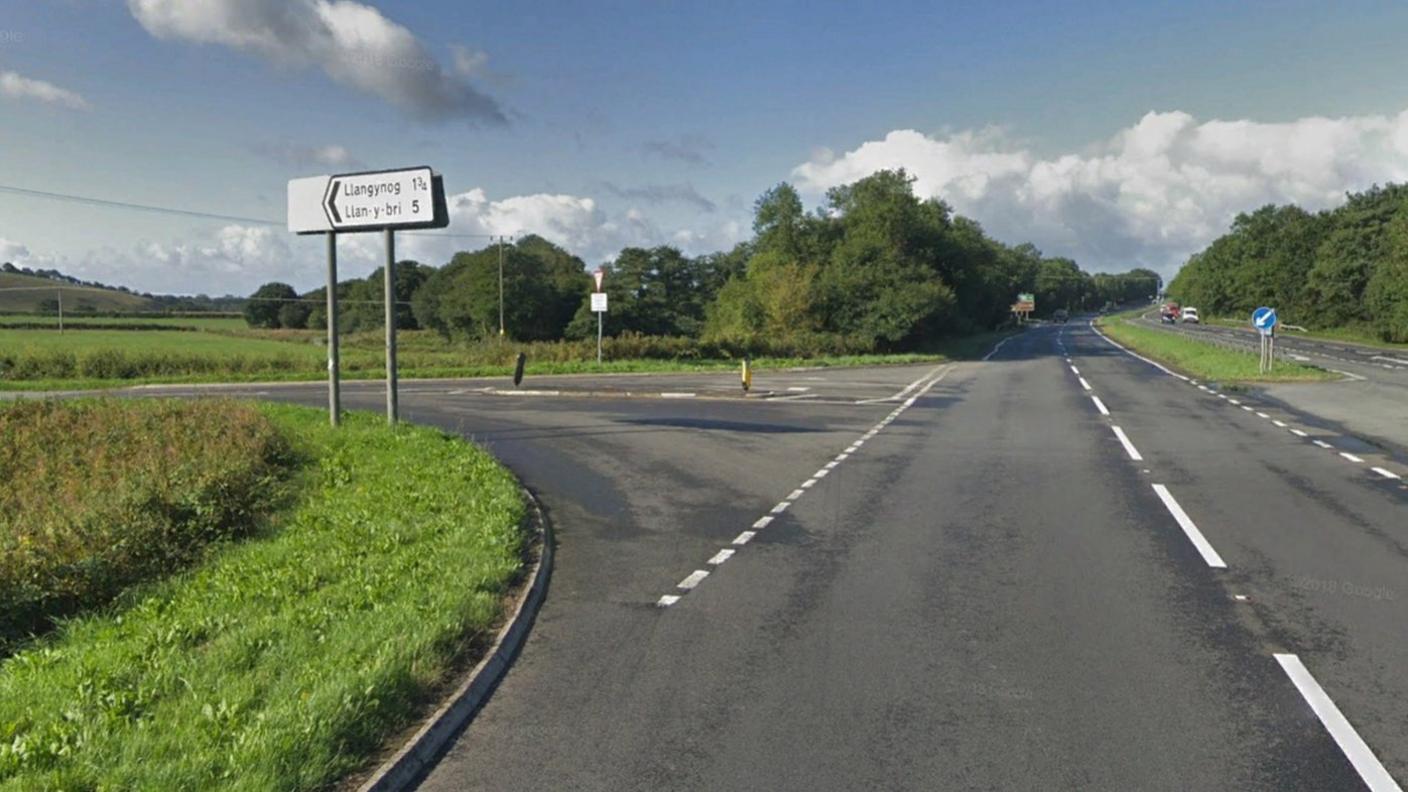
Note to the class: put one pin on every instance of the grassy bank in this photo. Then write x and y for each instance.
(45, 360)
(281, 661)
(1203, 360)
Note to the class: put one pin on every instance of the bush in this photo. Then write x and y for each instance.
(97, 495)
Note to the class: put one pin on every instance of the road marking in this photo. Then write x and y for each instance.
(821, 474)
(849, 451)
(911, 386)
(1355, 749)
(744, 538)
(1391, 360)
(781, 507)
(1322, 443)
(808, 484)
(799, 388)
(1299, 433)
(1245, 407)
(762, 523)
(795, 494)
(1350, 457)
(667, 600)
(1240, 597)
(1354, 377)
(1075, 370)
(1388, 474)
(833, 463)
(1221, 395)
(1099, 405)
(721, 556)
(693, 579)
(1128, 446)
(989, 355)
(669, 395)
(1083, 383)
(1301, 358)
(1204, 389)
(1281, 424)
(843, 457)
(1189, 529)
(1233, 401)
(1260, 414)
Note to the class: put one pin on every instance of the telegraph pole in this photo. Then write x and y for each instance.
(501, 286)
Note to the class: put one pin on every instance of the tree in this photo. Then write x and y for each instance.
(262, 310)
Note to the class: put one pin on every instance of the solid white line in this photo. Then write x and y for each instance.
(720, 557)
(795, 494)
(1322, 443)
(1083, 383)
(1355, 749)
(667, 600)
(781, 507)
(989, 355)
(1281, 424)
(668, 395)
(1388, 474)
(744, 538)
(1128, 446)
(1299, 433)
(694, 579)
(809, 483)
(1395, 360)
(1099, 405)
(762, 523)
(1354, 377)
(1350, 457)
(1189, 529)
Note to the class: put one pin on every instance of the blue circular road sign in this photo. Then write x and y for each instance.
(1263, 319)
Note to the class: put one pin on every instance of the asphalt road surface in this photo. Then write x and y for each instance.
(1058, 568)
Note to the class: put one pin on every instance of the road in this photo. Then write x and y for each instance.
(1057, 568)
(1371, 401)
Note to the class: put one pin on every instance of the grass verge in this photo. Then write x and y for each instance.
(1202, 360)
(282, 661)
(1357, 335)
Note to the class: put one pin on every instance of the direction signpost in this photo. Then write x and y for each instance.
(598, 307)
(386, 201)
(1264, 320)
(1025, 305)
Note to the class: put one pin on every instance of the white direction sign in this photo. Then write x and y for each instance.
(598, 275)
(371, 201)
(599, 302)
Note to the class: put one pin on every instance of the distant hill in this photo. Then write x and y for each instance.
(77, 298)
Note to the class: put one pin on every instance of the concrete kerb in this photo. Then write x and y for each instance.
(425, 747)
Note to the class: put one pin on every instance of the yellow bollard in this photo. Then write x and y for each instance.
(747, 375)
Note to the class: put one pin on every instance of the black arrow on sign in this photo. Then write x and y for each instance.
(330, 202)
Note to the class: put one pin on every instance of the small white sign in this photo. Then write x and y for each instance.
(599, 302)
(598, 275)
(365, 201)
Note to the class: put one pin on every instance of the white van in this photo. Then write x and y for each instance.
(1190, 315)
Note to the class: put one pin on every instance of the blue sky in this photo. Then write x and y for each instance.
(614, 123)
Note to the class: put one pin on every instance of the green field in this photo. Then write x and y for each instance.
(83, 322)
(44, 359)
(20, 292)
(1203, 360)
(290, 651)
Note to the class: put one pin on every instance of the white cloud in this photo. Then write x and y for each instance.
(1150, 195)
(351, 42)
(12, 252)
(300, 156)
(16, 86)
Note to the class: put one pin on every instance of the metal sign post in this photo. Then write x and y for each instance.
(598, 307)
(1264, 320)
(369, 201)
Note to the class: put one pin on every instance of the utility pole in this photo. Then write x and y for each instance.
(501, 285)
(60, 292)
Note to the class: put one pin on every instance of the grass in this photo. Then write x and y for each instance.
(1203, 360)
(82, 322)
(283, 661)
(30, 292)
(46, 360)
(96, 496)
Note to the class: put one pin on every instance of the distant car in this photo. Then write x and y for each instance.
(1061, 316)
(1168, 314)
(1190, 315)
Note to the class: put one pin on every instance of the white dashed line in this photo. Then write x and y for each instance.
(667, 600)
(1261, 414)
(1322, 443)
(1281, 424)
(1083, 383)
(1388, 474)
(1245, 407)
(843, 457)
(1128, 446)
(1189, 529)
(744, 538)
(795, 494)
(781, 507)
(1099, 405)
(720, 557)
(1075, 371)
(1355, 749)
(809, 483)
(821, 474)
(694, 579)
(1350, 457)
(1233, 401)
(829, 465)
(1299, 433)
(677, 395)
(762, 523)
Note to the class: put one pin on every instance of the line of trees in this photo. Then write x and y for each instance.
(874, 267)
(1345, 267)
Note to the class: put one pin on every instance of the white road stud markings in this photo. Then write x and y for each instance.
(1099, 405)
(721, 556)
(1388, 474)
(694, 579)
(1083, 383)
(1128, 446)
(762, 523)
(745, 537)
(1185, 522)
(1350, 457)
(1355, 749)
